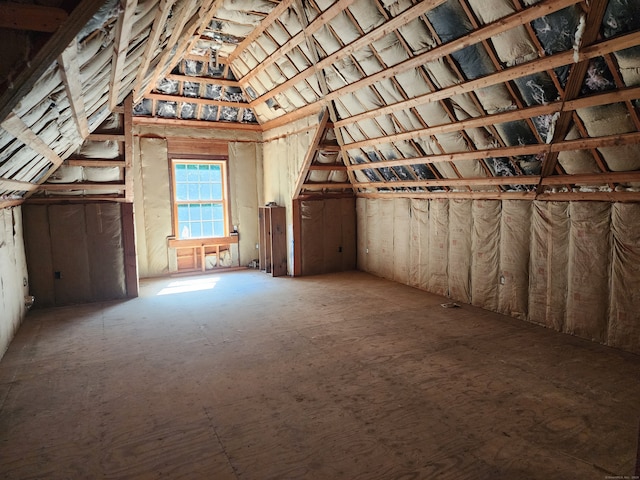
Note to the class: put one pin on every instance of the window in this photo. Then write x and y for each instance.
(199, 199)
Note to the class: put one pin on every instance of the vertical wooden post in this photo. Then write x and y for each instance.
(297, 237)
(637, 474)
(129, 246)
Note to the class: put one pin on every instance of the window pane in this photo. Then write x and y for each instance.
(183, 230)
(192, 173)
(183, 213)
(181, 191)
(218, 212)
(207, 211)
(196, 230)
(194, 192)
(194, 212)
(204, 173)
(216, 173)
(218, 229)
(181, 173)
(217, 191)
(207, 229)
(205, 191)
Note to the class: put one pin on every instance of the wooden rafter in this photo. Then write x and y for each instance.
(172, 122)
(599, 99)
(121, 47)
(70, 71)
(574, 84)
(320, 21)
(588, 179)
(511, 73)
(53, 48)
(207, 9)
(201, 101)
(9, 185)
(20, 130)
(264, 24)
(204, 80)
(492, 29)
(311, 152)
(535, 149)
(152, 42)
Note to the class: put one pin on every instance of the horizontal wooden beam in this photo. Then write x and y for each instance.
(323, 186)
(200, 101)
(9, 185)
(36, 18)
(205, 80)
(105, 137)
(86, 162)
(11, 203)
(64, 199)
(461, 195)
(57, 187)
(328, 167)
(170, 122)
(622, 95)
(587, 178)
(536, 149)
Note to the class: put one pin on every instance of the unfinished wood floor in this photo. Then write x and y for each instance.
(336, 376)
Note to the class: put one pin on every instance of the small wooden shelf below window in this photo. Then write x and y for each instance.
(202, 254)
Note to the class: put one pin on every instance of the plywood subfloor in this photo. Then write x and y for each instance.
(336, 376)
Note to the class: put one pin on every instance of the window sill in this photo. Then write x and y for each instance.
(202, 242)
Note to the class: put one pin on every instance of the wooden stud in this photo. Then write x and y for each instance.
(132, 283)
(311, 152)
(129, 157)
(9, 185)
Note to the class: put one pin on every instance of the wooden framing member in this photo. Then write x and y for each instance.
(311, 152)
(128, 148)
(494, 28)
(327, 185)
(599, 99)
(329, 167)
(547, 196)
(308, 30)
(20, 130)
(200, 101)
(121, 48)
(105, 137)
(171, 122)
(259, 30)
(92, 162)
(536, 149)
(76, 199)
(9, 185)
(583, 178)
(574, 84)
(61, 187)
(11, 203)
(297, 236)
(204, 80)
(207, 9)
(70, 72)
(131, 278)
(156, 30)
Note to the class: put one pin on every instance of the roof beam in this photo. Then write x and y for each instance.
(491, 29)
(621, 95)
(311, 152)
(206, 80)
(121, 48)
(35, 18)
(20, 130)
(152, 42)
(201, 101)
(172, 122)
(299, 38)
(259, 30)
(588, 178)
(574, 84)
(24, 82)
(534, 66)
(68, 62)
(9, 185)
(536, 149)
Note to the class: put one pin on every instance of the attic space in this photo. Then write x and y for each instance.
(320, 239)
